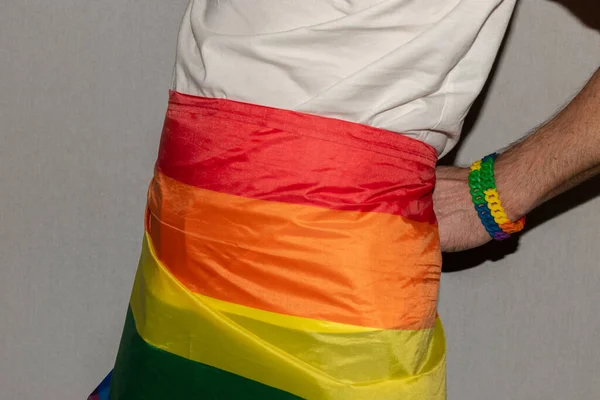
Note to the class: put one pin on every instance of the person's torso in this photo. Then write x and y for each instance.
(409, 66)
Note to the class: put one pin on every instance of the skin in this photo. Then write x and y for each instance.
(557, 157)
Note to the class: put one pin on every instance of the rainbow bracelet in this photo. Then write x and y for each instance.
(487, 202)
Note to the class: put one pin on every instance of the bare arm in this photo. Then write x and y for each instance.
(558, 156)
(561, 154)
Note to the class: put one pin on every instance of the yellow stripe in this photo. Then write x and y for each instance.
(309, 358)
(286, 321)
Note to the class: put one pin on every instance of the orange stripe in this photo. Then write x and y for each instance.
(367, 269)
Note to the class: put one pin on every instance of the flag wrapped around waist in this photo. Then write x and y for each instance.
(286, 256)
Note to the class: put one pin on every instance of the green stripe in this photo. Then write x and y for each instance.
(145, 372)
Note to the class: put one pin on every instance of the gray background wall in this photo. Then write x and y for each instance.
(83, 88)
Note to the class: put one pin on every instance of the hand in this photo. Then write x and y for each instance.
(459, 225)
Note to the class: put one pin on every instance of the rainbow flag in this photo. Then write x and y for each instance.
(286, 256)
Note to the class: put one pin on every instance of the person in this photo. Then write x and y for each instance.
(294, 225)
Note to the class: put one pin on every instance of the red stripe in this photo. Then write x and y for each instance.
(279, 155)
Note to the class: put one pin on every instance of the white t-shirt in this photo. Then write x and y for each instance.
(409, 66)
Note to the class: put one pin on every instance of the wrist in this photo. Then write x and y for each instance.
(519, 194)
(487, 202)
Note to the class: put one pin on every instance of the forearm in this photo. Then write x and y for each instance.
(559, 155)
